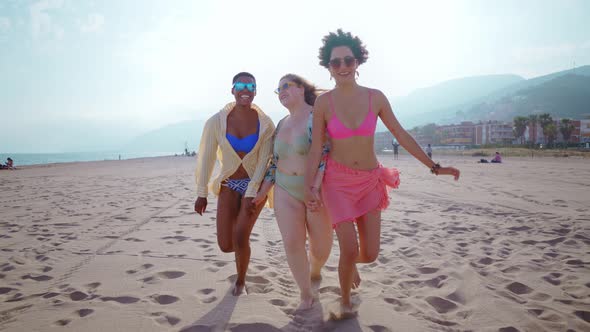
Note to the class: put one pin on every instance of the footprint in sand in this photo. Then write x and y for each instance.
(457, 296)
(398, 305)
(583, 315)
(84, 312)
(63, 322)
(170, 274)
(164, 299)
(78, 296)
(518, 288)
(427, 270)
(553, 278)
(508, 329)
(143, 267)
(278, 302)
(6, 290)
(165, 318)
(441, 305)
(120, 299)
(379, 328)
(204, 295)
(37, 277)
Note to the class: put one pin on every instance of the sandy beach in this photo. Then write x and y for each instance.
(116, 246)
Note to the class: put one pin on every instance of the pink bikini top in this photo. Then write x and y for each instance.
(337, 130)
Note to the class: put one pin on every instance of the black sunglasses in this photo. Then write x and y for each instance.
(337, 62)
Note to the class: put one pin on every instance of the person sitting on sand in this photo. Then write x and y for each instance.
(497, 158)
(239, 137)
(8, 165)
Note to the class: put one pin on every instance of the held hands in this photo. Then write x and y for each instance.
(200, 205)
(260, 197)
(312, 198)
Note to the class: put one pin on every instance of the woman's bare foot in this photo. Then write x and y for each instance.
(238, 289)
(356, 278)
(343, 310)
(306, 303)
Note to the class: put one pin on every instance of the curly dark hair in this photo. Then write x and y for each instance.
(243, 74)
(311, 92)
(341, 38)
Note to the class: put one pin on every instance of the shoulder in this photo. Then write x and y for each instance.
(377, 94)
(322, 102)
(379, 99)
(213, 120)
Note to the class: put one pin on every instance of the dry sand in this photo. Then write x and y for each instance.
(116, 246)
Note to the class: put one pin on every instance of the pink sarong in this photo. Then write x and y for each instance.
(349, 193)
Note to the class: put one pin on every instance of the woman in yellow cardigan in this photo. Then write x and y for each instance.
(239, 137)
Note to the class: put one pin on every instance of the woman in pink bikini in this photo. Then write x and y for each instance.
(355, 186)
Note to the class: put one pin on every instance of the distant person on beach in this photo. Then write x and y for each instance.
(429, 151)
(497, 158)
(291, 143)
(8, 165)
(239, 137)
(355, 185)
(395, 149)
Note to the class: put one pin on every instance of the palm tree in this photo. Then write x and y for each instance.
(533, 120)
(545, 120)
(550, 131)
(520, 123)
(566, 128)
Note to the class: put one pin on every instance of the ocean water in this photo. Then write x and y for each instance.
(22, 159)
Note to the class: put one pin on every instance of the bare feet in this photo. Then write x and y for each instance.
(306, 303)
(238, 289)
(356, 278)
(345, 310)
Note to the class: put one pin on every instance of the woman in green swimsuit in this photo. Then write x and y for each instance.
(292, 140)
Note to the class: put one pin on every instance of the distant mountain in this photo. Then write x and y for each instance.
(469, 110)
(562, 96)
(416, 108)
(459, 100)
(171, 138)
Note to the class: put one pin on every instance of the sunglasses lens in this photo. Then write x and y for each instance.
(241, 86)
(335, 63)
(349, 61)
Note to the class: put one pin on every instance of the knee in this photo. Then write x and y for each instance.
(225, 246)
(370, 256)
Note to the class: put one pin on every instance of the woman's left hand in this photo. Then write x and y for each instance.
(449, 171)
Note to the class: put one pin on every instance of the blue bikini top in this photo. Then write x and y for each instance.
(245, 144)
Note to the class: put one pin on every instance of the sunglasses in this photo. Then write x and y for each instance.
(337, 62)
(239, 86)
(285, 86)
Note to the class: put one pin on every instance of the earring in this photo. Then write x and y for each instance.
(357, 73)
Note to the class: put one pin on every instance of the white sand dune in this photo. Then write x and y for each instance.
(116, 246)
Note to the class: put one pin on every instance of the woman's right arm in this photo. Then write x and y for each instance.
(314, 156)
(205, 162)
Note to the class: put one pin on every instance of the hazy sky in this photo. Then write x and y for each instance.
(78, 75)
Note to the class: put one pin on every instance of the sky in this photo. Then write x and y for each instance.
(88, 75)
